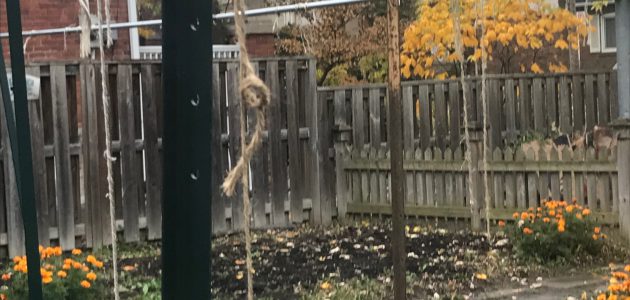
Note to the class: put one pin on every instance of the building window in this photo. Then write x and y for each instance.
(609, 40)
(149, 10)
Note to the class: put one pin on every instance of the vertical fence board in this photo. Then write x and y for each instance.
(295, 162)
(510, 181)
(234, 113)
(521, 192)
(425, 119)
(551, 103)
(578, 102)
(532, 180)
(373, 177)
(152, 156)
(375, 117)
(589, 101)
(441, 125)
(429, 184)
(278, 154)
(538, 99)
(340, 122)
(460, 192)
(510, 117)
(65, 197)
(494, 99)
(410, 190)
(448, 180)
(603, 106)
(524, 106)
(420, 183)
(566, 125)
(408, 111)
(497, 181)
(128, 154)
(326, 167)
(358, 120)
(454, 114)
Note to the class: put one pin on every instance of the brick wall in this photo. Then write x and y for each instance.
(261, 45)
(43, 14)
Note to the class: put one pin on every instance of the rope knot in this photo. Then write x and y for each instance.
(254, 91)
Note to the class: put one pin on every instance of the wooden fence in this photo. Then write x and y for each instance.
(70, 175)
(437, 182)
(294, 176)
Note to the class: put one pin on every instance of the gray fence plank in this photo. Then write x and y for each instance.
(566, 124)
(441, 119)
(510, 116)
(589, 101)
(375, 117)
(454, 112)
(524, 104)
(538, 97)
(425, 119)
(279, 183)
(296, 165)
(577, 88)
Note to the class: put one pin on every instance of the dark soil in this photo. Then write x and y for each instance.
(286, 261)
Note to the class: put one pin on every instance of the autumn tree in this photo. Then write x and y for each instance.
(519, 36)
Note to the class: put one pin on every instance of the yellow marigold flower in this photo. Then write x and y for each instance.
(595, 237)
(586, 212)
(527, 231)
(569, 208)
(604, 236)
(501, 223)
(546, 220)
(76, 251)
(90, 258)
(561, 225)
(597, 230)
(47, 280)
(62, 274)
(325, 285)
(91, 276)
(6, 276)
(86, 284)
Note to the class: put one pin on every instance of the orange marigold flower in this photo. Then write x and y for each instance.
(76, 251)
(91, 276)
(579, 216)
(531, 209)
(66, 267)
(47, 280)
(68, 261)
(539, 209)
(538, 215)
(85, 269)
(58, 251)
(562, 203)
(620, 275)
(90, 258)
(17, 259)
(561, 225)
(546, 220)
(601, 296)
(62, 274)
(98, 264)
(569, 208)
(531, 216)
(527, 231)
(41, 248)
(595, 237)
(77, 265)
(604, 236)
(552, 212)
(597, 230)
(6, 276)
(501, 223)
(612, 297)
(524, 215)
(627, 268)
(86, 284)
(515, 215)
(586, 212)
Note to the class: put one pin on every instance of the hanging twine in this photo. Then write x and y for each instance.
(108, 150)
(254, 94)
(86, 25)
(455, 6)
(108, 22)
(484, 104)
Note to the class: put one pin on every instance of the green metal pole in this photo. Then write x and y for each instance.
(24, 165)
(186, 69)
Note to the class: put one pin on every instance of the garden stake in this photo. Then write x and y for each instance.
(108, 149)
(455, 7)
(255, 94)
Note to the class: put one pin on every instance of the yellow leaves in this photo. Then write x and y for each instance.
(325, 286)
(561, 44)
(559, 68)
(536, 68)
(481, 276)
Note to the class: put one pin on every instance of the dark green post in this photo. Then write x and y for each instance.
(186, 75)
(21, 146)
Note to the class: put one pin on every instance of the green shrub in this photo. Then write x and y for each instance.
(556, 231)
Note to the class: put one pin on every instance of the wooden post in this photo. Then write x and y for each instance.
(396, 149)
(476, 150)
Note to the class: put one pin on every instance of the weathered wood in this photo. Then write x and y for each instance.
(555, 178)
(578, 102)
(278, 168)
(538, 98)
(524, 105)
(39, 163)
(103, 209)
(410, 189)
(566, 124)
(589, 101)
(441, 119)
(521, 192)
(297, 184)
(612, 96)
(551, 103)
(65, 196)
(420, 183)
(510, 117)
(425, 119)
(603, 184)
(603, 105)
(567, 177)
(580, 177)
(532, 182)
(375, 117)
(408, 112)
(340, 122)
(460, 178)
(429, 183)
(439, 179)
(355, 179)
(493, 100)
(358, 119)
(128, 154)
(373, 177)
(365, 180)
(448, 180)
(497, 181)
(234, 111)
(591, 181)
(383, 179)
(454, 114)
(510, 181)
(326, 166)
(152, 157)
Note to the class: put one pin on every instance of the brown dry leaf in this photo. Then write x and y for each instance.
(128, 268)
